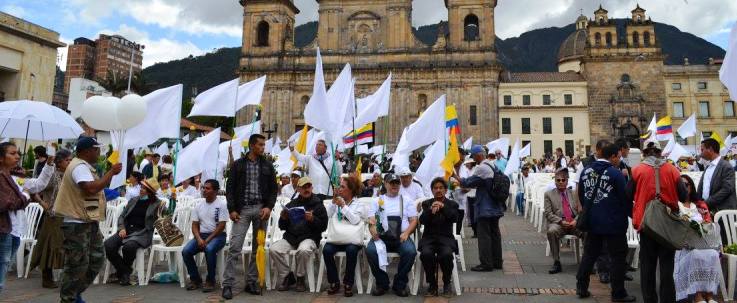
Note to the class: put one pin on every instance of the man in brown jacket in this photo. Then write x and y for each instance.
(561, 208)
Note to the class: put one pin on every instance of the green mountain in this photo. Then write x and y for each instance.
(536, 50)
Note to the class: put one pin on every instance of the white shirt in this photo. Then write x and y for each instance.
(132, 191)
(391, 208)
(320, 178)
(354, 212)
(143, 164)
(80, 174)
(412, 192)
(464, 172)
(287, 191)
(692, 212)
(18, 217)
(210, 214)
(191, 191)
(708, 174)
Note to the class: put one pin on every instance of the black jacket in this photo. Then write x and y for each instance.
(296, 233)
(439, 226)
(236, 185)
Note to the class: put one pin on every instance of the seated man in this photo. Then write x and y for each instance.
(392, 220)
(135, 230)
(289, 191)
(303, 220)
(561, 208)
(208, 228)
(372, 187)
(438, 243)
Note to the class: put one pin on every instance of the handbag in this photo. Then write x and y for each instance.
(342, 232)
(582, 219)
(661, 224)
(170, 233)
(391, 236)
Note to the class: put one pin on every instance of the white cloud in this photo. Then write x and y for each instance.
(156, 50)
(13, 10)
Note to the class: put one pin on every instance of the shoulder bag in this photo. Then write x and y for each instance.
(342, 232)
(169, 232)
(661, 224)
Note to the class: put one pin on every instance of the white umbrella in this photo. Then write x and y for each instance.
(35, 120)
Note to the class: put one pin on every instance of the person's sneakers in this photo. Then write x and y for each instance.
(482, 268)
(628, 277)
(300, 287)
(604, 278)
(251, 288)
(348, 291)
(625, 299)
(193, 285)
(401, 292)
(333, 288)
(227, 293)
(378, 292)
(556, 268)
(582, 293)
(209, 287)
(125, 280)
(447, 291)
(432, 290)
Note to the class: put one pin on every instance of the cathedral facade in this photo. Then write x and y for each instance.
(376, 37)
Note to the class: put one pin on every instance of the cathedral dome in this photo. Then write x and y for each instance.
(574, 46)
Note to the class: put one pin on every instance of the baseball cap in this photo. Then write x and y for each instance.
(296, 173)
(84, 143)
(391, 177)
(404, 171)
(477, 149)
(653, 145)
(304, 181)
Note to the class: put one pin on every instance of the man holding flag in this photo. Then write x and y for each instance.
(318, 166)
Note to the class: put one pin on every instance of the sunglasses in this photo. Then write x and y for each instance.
(561, 180)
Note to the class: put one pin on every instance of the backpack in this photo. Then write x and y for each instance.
(499, 186)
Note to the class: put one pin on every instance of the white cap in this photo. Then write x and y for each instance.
(403, 171)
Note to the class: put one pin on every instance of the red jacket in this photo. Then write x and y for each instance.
(643, 177)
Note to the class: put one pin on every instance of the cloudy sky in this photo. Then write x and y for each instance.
(172, 29)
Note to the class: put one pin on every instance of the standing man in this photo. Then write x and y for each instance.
(81, 202)
(319, 167)
(717, 186)
(488, 212)
(560, 161)
(151, 170)
(251, 194)
(602, 194)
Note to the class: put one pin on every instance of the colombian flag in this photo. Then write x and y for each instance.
(364, 135)
(665, 129)
(451, 120)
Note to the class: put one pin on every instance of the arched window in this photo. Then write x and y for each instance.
(597, 39)
(601, 20)
(646, 38)
(303, 104)
(639, 19)
(471, 28)
(608, 39)
(636, 39)
(262, 34)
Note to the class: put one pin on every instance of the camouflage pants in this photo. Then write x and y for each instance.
(84, 255)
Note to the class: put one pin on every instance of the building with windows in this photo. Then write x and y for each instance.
(107, 56)
(547, 110)
(376, 38)
(696, 89)
(27, 60)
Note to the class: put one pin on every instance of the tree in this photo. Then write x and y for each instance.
(113, 83)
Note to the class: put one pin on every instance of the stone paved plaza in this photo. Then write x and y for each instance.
(525, 278)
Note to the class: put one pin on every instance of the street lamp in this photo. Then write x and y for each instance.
(130, 69)
(270, 131)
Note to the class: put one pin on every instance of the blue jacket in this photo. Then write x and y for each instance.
(481, 180)
(608, 211)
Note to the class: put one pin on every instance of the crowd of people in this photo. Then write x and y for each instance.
(593, 199)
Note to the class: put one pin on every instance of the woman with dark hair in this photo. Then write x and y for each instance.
(697, 271)
(11, 201)
(188, 188)
(133, 189)
(48, 254)
(347, 208)
(167, 167)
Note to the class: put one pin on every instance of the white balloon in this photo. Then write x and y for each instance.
(113, 105)
(131, 111)
(96, 113)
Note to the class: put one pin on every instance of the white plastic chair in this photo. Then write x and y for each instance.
(728, 220)
(574, 242)
(461, 254)
(358, 281)
(418, 276)
(183, 220)
(33, 214)
(633, 242)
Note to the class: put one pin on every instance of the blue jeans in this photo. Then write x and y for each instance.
(8, 246)
(520, 199)
(407, 253)
(351, 255)
(211, 254)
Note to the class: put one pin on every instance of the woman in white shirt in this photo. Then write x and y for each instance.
(187, 189)
(133, 189)
(346, 208)
(393, 221)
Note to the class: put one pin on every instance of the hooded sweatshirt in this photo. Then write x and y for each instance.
(602, 189)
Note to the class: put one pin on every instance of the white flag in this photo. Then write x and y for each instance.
(514, 163)
(163, 149)
(372, 107)
(727, 145)
(198, 156)
(430, 166)
(243, 133)
(377, 150)
(468, 143)
(669, 146)
(316, 109)
(428, 128)
(250, 93)
(340, 97)
(677, 152)
(688, 128)
(728, 71)
(185, 138)
(362, 149)
(163, 118)
(283, 162)
(525, 151)
(218, 101)
(501, 144)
